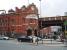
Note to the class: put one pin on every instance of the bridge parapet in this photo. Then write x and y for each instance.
(54, 18)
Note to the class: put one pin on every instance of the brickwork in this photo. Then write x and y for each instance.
(16, 21)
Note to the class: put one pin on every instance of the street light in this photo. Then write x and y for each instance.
(28, 2)
(41, 21)
(38, 22)
(38, 28)
(40, 8)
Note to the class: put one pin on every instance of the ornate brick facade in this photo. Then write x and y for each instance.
(19, 21)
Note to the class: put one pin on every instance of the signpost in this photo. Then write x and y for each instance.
(65, 24)
(65, 41)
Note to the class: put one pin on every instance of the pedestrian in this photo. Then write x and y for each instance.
(34, 40)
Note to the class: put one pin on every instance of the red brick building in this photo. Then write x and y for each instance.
(18, 21)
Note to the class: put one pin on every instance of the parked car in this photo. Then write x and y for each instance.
(36, 38)
(24, 39)
(28, 38)
(4, 38)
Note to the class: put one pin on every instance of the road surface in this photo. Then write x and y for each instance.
(14, 45)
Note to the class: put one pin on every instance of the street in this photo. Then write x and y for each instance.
(15, 45)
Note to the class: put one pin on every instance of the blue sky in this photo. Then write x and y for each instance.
(48, 7)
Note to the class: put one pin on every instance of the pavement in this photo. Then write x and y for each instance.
(15, 45)
(49, 42)
(45, 42)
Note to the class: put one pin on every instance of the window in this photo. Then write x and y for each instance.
(31, 20)
(1, 21)
(13, 21)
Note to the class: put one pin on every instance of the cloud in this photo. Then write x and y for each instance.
(48, 7)
(55, 7)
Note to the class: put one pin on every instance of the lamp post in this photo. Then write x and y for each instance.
(28, 2)
(38, 28)
(41, 21)
(40, 8)
(38, 22)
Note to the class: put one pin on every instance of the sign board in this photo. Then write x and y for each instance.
(65, 22)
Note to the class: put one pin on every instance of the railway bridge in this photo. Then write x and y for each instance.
(52, 21)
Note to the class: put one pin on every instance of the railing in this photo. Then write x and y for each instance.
(54, 18)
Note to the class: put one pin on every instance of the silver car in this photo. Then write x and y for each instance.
(4, 38)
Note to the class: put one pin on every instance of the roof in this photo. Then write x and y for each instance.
(11, 10)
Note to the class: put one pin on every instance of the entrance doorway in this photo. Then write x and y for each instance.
(35, 32)
(29, 32)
